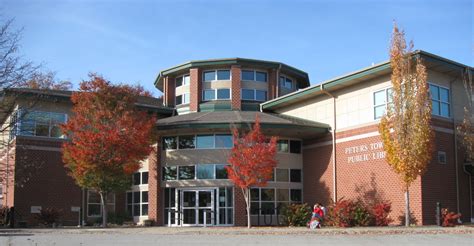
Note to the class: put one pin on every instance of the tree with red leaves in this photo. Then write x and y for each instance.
(252, 161)
(109, 136)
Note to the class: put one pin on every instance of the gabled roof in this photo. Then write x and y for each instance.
(152, 103)
(432, 61)
(302, 76)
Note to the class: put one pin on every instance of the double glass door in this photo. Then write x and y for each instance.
(197, 207)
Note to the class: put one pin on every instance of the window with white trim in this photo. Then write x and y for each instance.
(200, 141)
(182, 80)
(212, 75)
(195, 172)
(37, 123)
(140, 178)
(271, 200)
(253, 95)
(94, 206)
(440, 100)
(216, 94)
(381, 100)
(286, 82)
(137, 203)
(254, 75)
(183, 99)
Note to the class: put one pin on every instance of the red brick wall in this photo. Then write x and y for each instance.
(195, 89)
(439, 181)
(317, 175)
(46, 182)
(236, 86)
(155, 203)
(170, 90)
(374, 178)
(240, 210)
(272, 83)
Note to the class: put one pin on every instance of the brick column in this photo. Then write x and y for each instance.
(240, 209)
(236, 86)
(170, 89)
(155, 208)
(272, 84)
(195, 89)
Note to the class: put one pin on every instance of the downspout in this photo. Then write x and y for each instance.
(455, 149)
(333, 132)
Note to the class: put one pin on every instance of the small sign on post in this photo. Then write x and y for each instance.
(77, 210)
(35, 209)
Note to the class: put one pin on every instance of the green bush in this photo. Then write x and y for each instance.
(296, 214)
(362, 216)
(118, 218)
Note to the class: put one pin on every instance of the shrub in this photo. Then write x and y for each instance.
(347, 213)
(296, 214)
(118, 218)
(361, 215)
(340, 213)
(450, 219)
(413, 220)
(48, 216)
(380, 212)
(3, 215)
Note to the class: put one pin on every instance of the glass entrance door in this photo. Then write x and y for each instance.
(197, 207)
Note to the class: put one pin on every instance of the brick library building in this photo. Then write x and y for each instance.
(329, 146)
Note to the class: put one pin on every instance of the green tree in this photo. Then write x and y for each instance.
(405, 129)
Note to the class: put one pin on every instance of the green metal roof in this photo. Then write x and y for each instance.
(355, 77)
(303, 76)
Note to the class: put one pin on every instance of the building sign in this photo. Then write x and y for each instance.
(365, 152)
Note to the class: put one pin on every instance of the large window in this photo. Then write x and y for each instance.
(253, 95)
(252, 75)
(182, 80)
(183, 99)
(271, 200)
(208, 141)
(200, 171)
(216, 75)
(218, 94)
(37, 123)
(226, 205)
(382, 100)
(137, 203)
(286, 82)
(440, 101)
(94, 207)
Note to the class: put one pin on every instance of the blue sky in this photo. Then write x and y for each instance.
(132, 40)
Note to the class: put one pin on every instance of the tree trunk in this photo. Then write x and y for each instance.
(407, 208)
(246, 193)
(103, 198)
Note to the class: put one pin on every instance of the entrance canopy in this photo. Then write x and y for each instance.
(272, 124)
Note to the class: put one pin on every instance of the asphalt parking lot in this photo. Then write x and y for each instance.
(239, 236)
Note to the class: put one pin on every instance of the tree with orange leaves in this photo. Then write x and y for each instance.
(108, 137)
(252, 161)
(405, 129)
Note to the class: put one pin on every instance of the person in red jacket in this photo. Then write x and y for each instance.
(317, 211)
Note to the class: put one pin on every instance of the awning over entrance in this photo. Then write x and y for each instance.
(272, 124)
